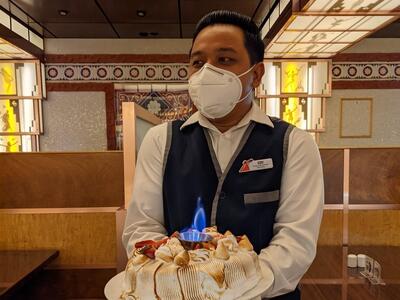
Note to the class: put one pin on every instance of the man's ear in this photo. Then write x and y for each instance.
(258, 73)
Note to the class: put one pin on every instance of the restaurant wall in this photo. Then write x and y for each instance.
(82, 126)
(385, 119)
(369, 70)
(94, 65)
(117, 46)
(371, 45)
(89, 68)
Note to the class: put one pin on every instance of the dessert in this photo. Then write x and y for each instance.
(225, 267)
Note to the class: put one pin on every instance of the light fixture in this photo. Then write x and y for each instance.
(147, 33)
(322, 28)
(63, 12)
(9, 51)
(295, 90)
(20, 23)
(141, 13)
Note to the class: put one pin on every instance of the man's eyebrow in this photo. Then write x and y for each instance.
(196, 53)
(228, 49)
(224, 49)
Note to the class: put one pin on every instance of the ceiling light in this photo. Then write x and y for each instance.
(325, 27)
(353, 6)
(63, 12)
(141, 13)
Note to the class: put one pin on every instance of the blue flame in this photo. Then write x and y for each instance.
(194, 233)
(199, 219)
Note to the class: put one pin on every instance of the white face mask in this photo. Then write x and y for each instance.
(215, 91)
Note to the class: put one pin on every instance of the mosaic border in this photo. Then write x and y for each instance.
(100, 72)
(178, 72)
(366, 71)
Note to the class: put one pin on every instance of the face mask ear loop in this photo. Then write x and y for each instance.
(245, 72)
(242, 99)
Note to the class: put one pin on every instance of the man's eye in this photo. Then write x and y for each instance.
(197, 63)
(226, 60)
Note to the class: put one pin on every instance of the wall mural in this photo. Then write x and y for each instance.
(9, 112)
(9, 123)
(167, 105)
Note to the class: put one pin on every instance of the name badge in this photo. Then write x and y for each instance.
(256, 165)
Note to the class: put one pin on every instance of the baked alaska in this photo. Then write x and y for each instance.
(225, 267)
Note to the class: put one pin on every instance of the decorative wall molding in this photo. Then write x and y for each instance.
(366, 71)
(111, 72)
(178, 72)
(350, 70)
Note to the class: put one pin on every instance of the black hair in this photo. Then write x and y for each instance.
(252, 38)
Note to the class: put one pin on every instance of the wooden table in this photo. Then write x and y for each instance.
(18, 266)
(329, 278)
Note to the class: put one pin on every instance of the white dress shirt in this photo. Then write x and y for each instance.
(297, 222)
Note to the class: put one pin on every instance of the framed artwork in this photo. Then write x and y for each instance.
(356, 117)
(294, 77)
(8, 83)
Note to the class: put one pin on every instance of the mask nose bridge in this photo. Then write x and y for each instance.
(210, 67)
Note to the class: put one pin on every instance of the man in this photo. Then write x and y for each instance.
(256, 175)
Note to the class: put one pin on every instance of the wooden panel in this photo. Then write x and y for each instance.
(332, 162)
(130, 113)
(321, 292)
(374, 227)
(368, 292)
(375, 176)
(17, 267)
(86, 238)
(67, 284)
(37, 180)
(331, 232)
(122, 258)
(327, 264)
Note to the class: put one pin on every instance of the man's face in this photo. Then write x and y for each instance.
(223, 46)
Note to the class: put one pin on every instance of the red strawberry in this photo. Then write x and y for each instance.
(150, 252)
(145, 243)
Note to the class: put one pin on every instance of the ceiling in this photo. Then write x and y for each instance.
(120, 18)
(390, 31)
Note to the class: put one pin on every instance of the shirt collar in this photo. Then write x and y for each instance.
(255, 114)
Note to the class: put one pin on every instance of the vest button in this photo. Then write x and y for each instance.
(222, 195)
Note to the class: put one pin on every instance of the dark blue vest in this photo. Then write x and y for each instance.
(247, 202)
(244, 203)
